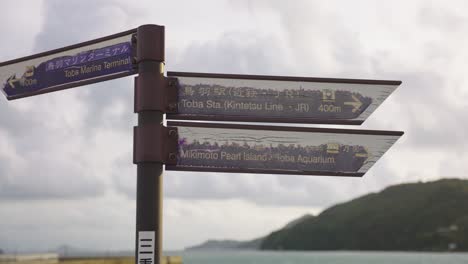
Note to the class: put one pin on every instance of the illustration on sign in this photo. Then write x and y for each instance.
(290, 150)
(31, 76)
(285, 99)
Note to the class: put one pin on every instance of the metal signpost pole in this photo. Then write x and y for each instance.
(148, 84)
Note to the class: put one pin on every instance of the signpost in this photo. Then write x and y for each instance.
(194, 96)
(227, 97)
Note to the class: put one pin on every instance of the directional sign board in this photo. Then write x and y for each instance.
(89, 62)
(279, 150)
(256, 98)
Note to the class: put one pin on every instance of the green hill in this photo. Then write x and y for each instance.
(228, 245)
(253, 244)
(429, 216)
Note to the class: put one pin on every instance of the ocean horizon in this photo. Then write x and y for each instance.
(299, 257)
(319, 257)
(293, 257)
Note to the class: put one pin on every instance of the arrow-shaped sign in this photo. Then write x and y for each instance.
(278, 150)
(88, 62)
(278, 99)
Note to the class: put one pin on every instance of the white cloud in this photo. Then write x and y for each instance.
(234, 218)
(20, 22)
(96, 223)
(106, 223)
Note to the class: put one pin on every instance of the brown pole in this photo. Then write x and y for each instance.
(149, 84)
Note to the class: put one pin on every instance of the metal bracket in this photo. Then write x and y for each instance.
(153, 91)
(163, 99)
(155, 143)
(150, 43)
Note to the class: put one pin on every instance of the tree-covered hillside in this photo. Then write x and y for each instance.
(419, 216)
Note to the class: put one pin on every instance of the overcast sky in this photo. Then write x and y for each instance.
(66, 172)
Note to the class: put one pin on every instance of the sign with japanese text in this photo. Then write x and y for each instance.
(256, 98)
(279, 150)
(93, 61)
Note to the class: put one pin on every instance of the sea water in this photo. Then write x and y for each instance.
(319, 257)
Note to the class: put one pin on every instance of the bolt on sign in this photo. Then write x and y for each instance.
(279, 150)
(228, 97)
(89, 62)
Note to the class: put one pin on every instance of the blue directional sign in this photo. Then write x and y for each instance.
(212, 147)
(89, 62)
(259, 98)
